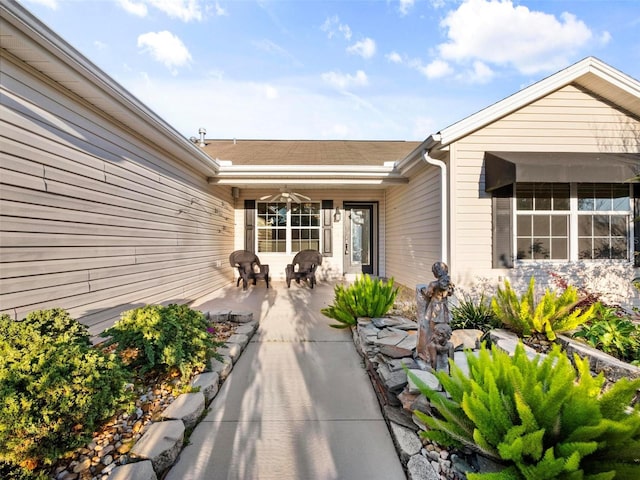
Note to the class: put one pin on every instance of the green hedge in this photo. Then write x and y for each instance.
(55, 388)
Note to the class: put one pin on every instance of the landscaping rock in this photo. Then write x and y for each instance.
(427, 378)
(247, 328)
(134, 471)
(406, 440)
(466, 338)
(222, 368)
(238, 339)
(209, 383)
(161, 444)
(188, 407)
(232, 350)
(393, 381)
(241, 317)
(419, 468)
(395, 351)
(218, 315)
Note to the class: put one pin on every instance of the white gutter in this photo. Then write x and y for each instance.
(443, 201)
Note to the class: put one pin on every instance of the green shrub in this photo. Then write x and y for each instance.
(54, 387)
(164, 338)
(612, 333)
(542, 419)
(552, 315)
(470, 313)
(365, 297)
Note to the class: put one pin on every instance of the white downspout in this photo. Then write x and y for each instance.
(443, 201)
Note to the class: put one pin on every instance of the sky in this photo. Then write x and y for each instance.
(341, 69)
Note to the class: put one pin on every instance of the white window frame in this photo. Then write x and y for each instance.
(573, 213)
(288, 228)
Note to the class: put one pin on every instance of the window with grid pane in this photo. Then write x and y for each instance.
(305, 226)
(603, 218)
(288, 227)
(542, 221)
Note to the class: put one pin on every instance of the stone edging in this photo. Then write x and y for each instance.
(158, 448)
(385, 349)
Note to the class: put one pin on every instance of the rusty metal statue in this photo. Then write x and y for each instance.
(436, 312)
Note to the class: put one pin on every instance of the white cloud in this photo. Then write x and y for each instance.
(436, 69)
(365, 48)
(166, 48)
(185, 10)
(479, 73)
(138, 9)
(270, 92)
(273, 48)
(344, 81)
(405, 6)
(220, 11)
(332, 27)
(501, 33)
(100, 45)
(394, 57)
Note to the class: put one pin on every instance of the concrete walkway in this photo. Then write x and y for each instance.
(298, 403)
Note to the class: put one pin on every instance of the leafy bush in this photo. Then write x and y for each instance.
(164, 338)
(54, 387)
(553, 314)
(470, 313)
(612, 333)
(542, 419)
(365, 297)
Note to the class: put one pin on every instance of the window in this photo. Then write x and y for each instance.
(542, 222)
(288, 227)
(603, 217)
(571, 221)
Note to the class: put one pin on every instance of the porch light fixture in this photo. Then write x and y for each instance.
(337, 216)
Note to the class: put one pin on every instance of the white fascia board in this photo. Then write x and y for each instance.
(56, 50)
(535, 92)
(301, 174)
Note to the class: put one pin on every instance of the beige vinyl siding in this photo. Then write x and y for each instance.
(332, 267)
(568, 120)
(413, 228)
(94, 217)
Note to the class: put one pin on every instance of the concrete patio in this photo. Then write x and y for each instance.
(298, 403)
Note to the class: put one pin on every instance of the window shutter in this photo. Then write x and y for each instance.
(636, 225)
(502, 230)
(327, 225)
(249, 225)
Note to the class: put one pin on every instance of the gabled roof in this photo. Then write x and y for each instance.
(308, 152)
(309, 162)
(590, 73)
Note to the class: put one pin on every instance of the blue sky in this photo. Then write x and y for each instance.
(350, 69)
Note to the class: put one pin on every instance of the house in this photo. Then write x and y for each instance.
(544, 181)
(104, 206)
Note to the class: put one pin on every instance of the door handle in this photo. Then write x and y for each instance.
(346, 249)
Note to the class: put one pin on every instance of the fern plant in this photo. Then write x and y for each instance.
(542, 418)
(553, 314)
(365, 297)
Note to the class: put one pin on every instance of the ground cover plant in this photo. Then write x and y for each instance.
(551, 315)
(541, 418)
(55, 388)
(162, 338)
(613, 332)
(365, 297)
